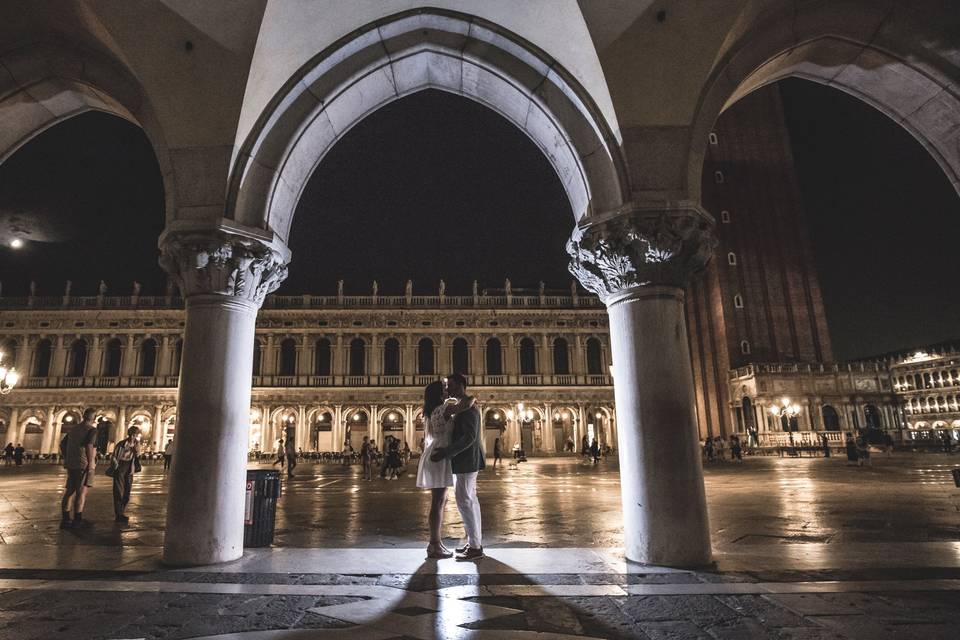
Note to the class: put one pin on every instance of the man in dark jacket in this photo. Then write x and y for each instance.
(466, 459)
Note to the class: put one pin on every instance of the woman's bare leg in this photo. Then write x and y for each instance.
(438, 500)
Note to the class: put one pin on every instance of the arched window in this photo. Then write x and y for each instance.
(148, 357)
(561, 357)
(425, 364)
(738, 301)
(358, 357)
(257, 350)
(41, 359)
(461, 356)
(917, 381)
(528, 357)
(112, 358)
(494, 357)
(594, 357)
(77, 359)
(831, 419)
(927, 381)
(178, 357)
(872, 415)
(321, 358)
(391, 357)
(745, 347)
(288, 357)
(732, 258)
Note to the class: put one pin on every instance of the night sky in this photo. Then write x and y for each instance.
(435, 186)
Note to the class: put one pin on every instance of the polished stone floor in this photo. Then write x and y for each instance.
(805, 548)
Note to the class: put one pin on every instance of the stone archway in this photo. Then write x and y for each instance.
(404, 54)
(69, 82)
(896, 65)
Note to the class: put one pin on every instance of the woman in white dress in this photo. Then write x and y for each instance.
(438, 412)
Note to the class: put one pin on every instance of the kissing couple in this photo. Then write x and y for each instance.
(452, 457)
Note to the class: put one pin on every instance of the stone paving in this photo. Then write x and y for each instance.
(805, 549)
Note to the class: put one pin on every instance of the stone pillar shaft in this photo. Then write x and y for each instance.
(638, 262)
(224, 277)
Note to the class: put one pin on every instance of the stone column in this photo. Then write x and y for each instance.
(546, 358)
(128, 361)
(95, 357)
(223, 276)
(58, 358)
(157, 428)
(164, 358)
(639, 263)
(49, 442)
(14, 434)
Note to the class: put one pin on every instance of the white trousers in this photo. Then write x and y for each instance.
(465, 489)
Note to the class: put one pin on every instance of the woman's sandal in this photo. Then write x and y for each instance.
(437, 552)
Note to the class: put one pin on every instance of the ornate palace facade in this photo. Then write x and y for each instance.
(334, 368)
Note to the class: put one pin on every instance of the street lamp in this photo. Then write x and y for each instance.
(787, 409)
(8, 377)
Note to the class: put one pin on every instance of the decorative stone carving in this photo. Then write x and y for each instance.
(221, 263)
(637, 250)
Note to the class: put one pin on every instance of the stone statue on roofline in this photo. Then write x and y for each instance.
(507, 287)
(443, 288)
(33, 288)
(376, 288)
(67, 287)
(476, 288)
(340, 288)
(408, 289)
(136, 288)
(102, 289)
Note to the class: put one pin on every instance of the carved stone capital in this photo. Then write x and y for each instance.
(641, 249)
(223, 263)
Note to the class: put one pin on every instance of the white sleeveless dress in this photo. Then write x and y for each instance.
(430, 474)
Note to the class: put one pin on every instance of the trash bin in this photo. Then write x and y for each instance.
(260, 508)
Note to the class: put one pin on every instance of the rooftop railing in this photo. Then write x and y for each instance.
(798, 368)
(315, 302)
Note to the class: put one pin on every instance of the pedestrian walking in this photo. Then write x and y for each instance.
(168, 454)
(8, 454)
(595, 451)
(863, 450)
(18, 454)
(124, 462)
(290, 453)
(280, 454)
(825, 443)
(708, 451)
(366, 459)
(497, 453)
(78, 450)
(721, 446)
(888, 444)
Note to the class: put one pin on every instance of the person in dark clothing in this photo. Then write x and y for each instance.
(497, 453)
(595, 451)
(8, 454)
(18, 454)
(736, 450)
(79, 455)
(124, 462)
(825, 442)
(851, 446)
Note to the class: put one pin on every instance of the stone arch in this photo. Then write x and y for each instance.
(889, 61)
(47, 83)
(401, 55)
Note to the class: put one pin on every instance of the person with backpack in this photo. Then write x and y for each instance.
(79, 455)
(124, 462)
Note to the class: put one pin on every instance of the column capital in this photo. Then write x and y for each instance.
(658, 245)
(224, 262)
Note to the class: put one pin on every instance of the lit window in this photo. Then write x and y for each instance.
(738, 301)
(731, 258)
(725, 217)
(744, 347)
(713, 138)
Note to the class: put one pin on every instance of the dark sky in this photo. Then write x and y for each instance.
(435, 186)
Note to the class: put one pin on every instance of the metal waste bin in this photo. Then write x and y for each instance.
(260, 508)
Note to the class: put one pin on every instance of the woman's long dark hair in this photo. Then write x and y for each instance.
(432, 398)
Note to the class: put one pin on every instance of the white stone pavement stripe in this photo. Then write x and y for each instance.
(472, 591)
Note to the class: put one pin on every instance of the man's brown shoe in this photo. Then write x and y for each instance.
(470, 554)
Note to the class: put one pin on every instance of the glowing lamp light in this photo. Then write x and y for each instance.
(599, 415)
(290, 418)
(68, 419)
(356, 417)
(496, 415)
(16, 243)
(8, 377)
(529, 414)
(509, 414)
(392, 417)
